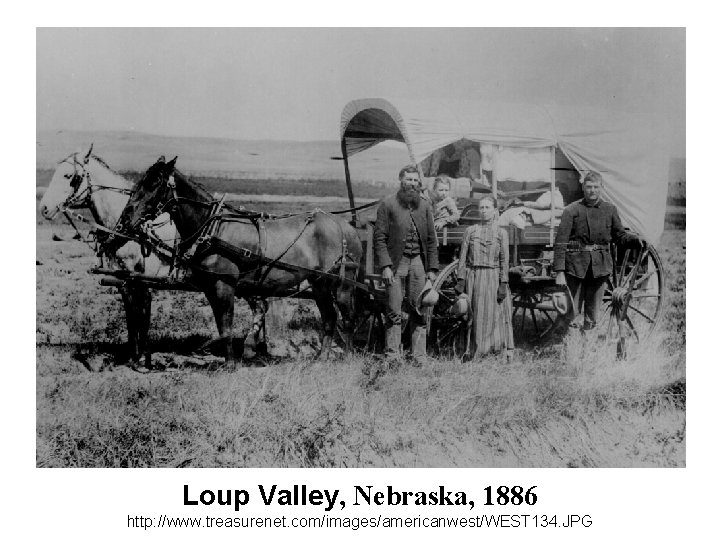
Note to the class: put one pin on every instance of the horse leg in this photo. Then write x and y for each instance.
(131, 322)
(253, 344)
(257, 306)
(348, 302)
(261, 347)
(144, 302)
(222, 300)
(328, 316)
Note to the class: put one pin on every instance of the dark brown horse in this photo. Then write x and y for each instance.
(233, 252)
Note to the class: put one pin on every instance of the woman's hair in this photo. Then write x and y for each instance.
(489, 198)
(441, 179)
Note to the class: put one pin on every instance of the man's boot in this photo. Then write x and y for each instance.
(419, 338)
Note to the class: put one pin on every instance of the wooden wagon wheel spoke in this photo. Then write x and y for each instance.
(621, 274)
(632, 276)
(613, 316)
(636, 310)
(613, 279)
(444, 295)
(641, 280)
(638, 296)
(610, 287)
(632, 327)
(532, 313)
(450, 332)
(369, 332)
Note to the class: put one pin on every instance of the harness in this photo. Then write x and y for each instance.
(206, 240)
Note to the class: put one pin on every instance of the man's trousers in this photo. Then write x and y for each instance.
(409, 282)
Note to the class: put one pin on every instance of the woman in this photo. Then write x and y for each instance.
(483, 274)
(445, 211)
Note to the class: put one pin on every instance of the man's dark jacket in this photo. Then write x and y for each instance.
(582, 225)
(392, 226)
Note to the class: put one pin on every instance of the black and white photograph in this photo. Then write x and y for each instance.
(360, 248)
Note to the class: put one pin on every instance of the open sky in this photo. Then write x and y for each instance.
(287, 83)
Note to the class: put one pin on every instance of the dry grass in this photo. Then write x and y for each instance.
(567, 406)
(549, 411)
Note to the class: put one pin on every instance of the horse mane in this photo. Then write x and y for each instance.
(97, 158)
(194, 183)
(103, 163)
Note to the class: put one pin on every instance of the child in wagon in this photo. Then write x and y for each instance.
(445, 210)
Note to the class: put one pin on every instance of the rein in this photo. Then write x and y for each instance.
(97, 227)
(356, 208)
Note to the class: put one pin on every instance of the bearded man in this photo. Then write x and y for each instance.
(406, 249)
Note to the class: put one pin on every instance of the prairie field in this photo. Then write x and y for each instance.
(565, 405)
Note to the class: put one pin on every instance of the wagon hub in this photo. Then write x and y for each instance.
(619, 296)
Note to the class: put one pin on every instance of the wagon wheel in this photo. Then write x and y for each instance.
(369, 332)
(535, 314)
(365, 332)
(633, 300)
(446, 332)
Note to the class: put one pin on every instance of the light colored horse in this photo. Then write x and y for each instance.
(88, 182)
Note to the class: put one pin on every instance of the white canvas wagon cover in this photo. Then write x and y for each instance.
(630, 150)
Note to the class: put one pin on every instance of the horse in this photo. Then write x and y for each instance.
(88, 182)
(232, 252)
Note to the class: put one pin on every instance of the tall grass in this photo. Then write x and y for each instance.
(569, 405)
(550, 408)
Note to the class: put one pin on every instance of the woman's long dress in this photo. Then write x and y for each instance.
(484, 265)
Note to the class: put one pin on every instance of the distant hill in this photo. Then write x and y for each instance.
(229, 158)
(131, 151)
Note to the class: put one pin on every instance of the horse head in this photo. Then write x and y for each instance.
(151, 196)
(68, 186)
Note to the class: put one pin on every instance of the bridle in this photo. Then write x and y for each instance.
(172, 205)
(77, 198)
(83, 198)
